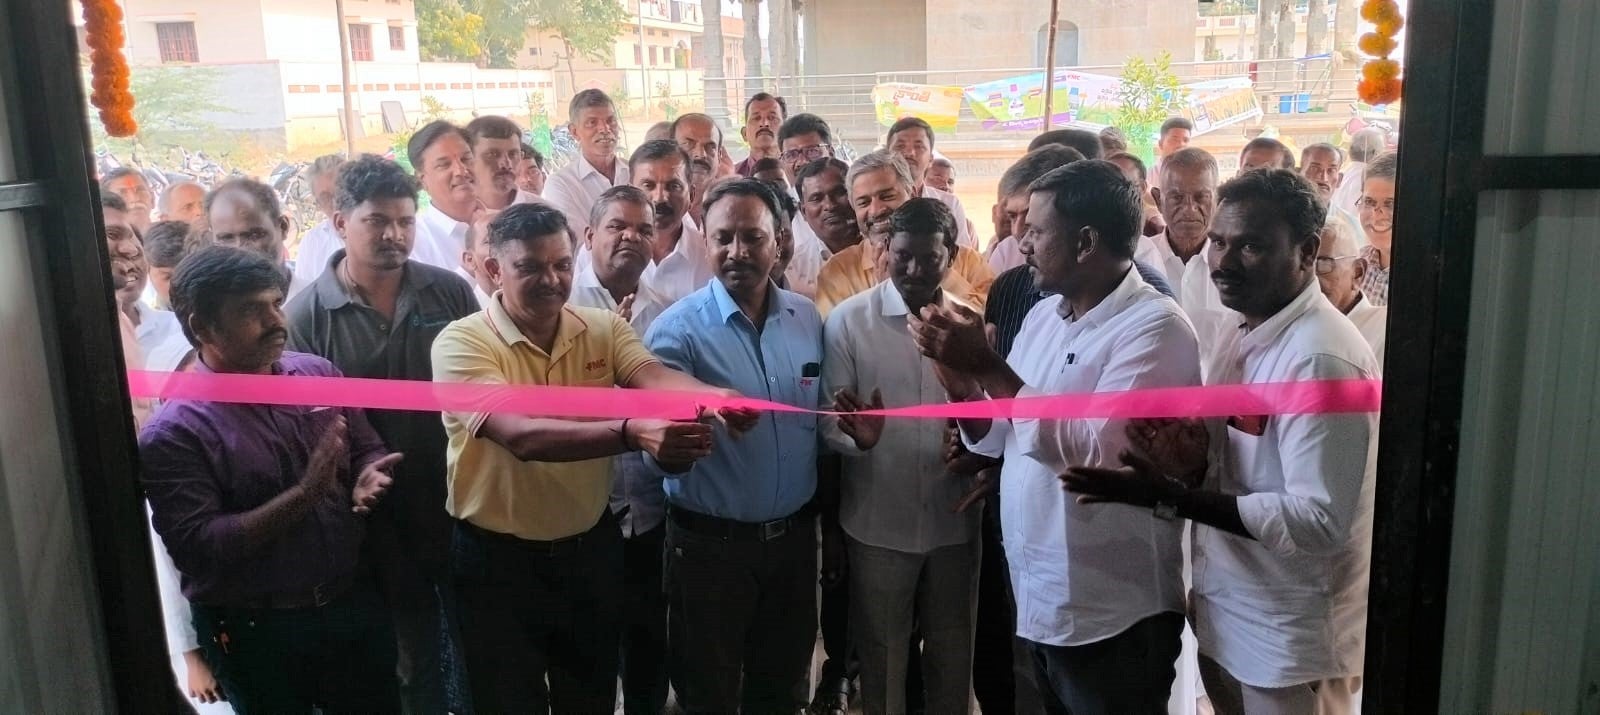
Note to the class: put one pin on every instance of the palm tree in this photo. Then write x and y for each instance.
(752, 46)
(1266, 30)
(1344, 26)
(716, 87)
(1316, 27)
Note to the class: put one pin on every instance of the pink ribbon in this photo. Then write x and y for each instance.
(1282, 398)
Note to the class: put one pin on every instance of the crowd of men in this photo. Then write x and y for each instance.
(483, 561)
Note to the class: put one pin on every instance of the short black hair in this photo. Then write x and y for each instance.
(523, 222)
(805, 123)
(904, 124)
(120, 172)
(923, 216)
(205, 278)
(1338, 154)
(113, 202)
(166, 243)
(492, 126)
(1285, 157)
(426, 136)
(696, 115)
(586, 99)
(619, 194)
(1138, 164)
(813, 168)
(371, 177)
(744, 188)
(533, 155)
(783, 107)
(1086, 142)
(264, 197)
(1175, 123)
(1096, 193)
(656, 150)
(786, 202)
(767, 164)
(1283, 193)
(1035, 164)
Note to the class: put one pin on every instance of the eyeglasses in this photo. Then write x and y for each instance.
(808, 153)
(1326, 264)
(1374, 205)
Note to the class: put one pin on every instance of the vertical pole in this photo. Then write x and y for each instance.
(344, 71)
(644, 68)
(1050, 65)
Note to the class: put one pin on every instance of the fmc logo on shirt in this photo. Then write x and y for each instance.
(593, 365)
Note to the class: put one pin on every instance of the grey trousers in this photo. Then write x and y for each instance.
(892, 592)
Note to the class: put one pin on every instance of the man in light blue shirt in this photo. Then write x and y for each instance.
(741, 564)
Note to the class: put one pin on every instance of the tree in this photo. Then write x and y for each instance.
(783, 38)
(587, 28)
(716, 86)
(1344, 27)
(752, 46)
(1148, 95)
(1266, 30)
(1316, 27)
(173, 105)
(447, 33)
(1286, 31)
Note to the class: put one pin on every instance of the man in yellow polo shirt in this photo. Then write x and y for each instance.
(879, 183)
(538, 553)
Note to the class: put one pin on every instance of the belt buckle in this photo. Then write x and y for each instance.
(773, 529)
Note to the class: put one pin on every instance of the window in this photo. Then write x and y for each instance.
(176, 40)
(638, 55)
(652, 54)
(397, 38)
(533, 52)
(361, 43)
(1066, 44)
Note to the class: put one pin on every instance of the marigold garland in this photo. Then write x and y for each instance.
(1380, 77)
(108, 69)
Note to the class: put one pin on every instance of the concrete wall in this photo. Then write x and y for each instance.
(880, 36)
(224, 30)
(961, 35)
(305, 30)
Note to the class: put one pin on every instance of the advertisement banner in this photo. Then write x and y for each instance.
(1017, 103)
(1218, 103)
(939, 106)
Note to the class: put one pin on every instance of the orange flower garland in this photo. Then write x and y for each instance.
(102, 24)
(1380, 77)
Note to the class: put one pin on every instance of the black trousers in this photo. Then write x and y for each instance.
(1126, 674)
(339, 658)
(532, 611)
(644, 624)
(742, 618)
(993, 672)
(414, 578)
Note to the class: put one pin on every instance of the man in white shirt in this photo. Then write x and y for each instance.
(496, 144)
(182, 201)
(1365, 146)
(475, 255)
(1099, 588)
(680, 262)
(912, 139)
(320, 242)
(1320, 164)
(1013, 206)
(619, 239)
(1283, 524)
(575, 188)
(826, 224)
(913, 558)
(1174, 137)
(1340, 269)
(441, 155)
(1187, 197)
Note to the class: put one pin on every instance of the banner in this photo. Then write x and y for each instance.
(939, 106)
(1218, 103)
(1087, 101)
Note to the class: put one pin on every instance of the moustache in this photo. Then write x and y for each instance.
(701, 163)
(663, 209)
(275, 336)
(1226, 275)
(764, 132)
(731, 266)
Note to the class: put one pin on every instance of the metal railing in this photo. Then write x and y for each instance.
(1292, 86)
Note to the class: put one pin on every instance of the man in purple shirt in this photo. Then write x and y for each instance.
(263, 508)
